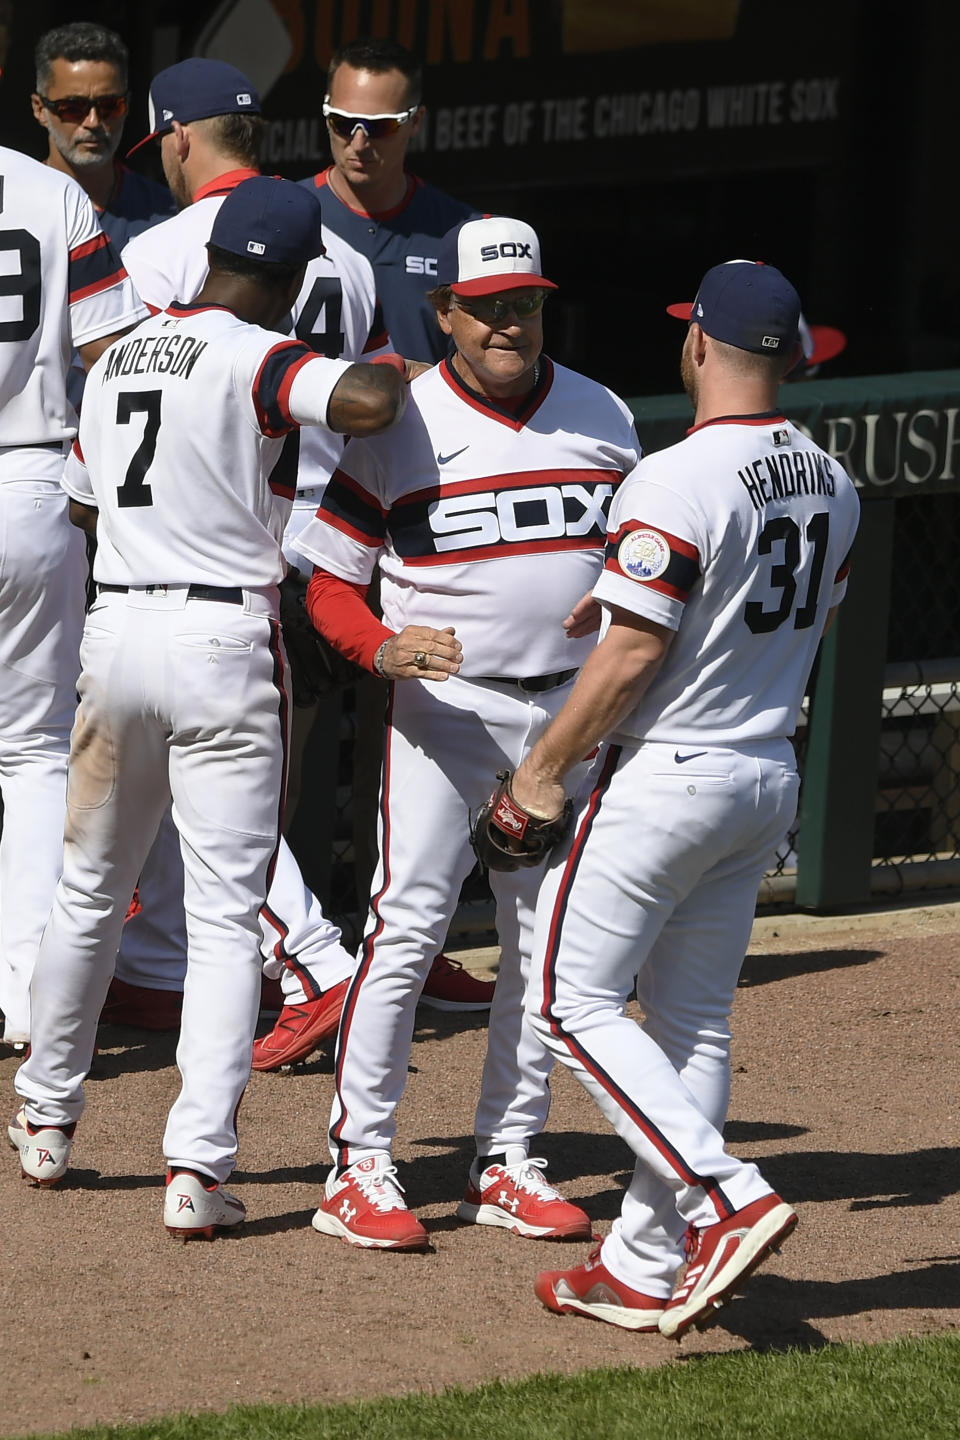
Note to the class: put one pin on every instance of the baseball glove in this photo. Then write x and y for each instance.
(506, 836)
(316, 668)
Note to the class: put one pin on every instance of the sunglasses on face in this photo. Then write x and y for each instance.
(74, 108)
(493, 309)
(375, 127)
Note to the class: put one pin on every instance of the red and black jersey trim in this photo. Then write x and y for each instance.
(352, 510)
(516, 419)
(682, 571)
(629, 1104)
(764, 417)
(75, 447)
(283, 477)
(844, 570)
(93, 266)
(379, 335)
(271, 388)
(223, 184)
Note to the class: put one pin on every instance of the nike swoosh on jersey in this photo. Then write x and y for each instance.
(682, 759)
(445, 459)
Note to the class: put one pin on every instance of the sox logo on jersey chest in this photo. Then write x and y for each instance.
(481, 517)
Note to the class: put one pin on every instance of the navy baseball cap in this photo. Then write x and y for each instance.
(270, 219)
(747, 304)
(483, 257)
(194, 90)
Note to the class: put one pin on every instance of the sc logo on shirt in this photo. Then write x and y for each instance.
(535, 512)
(422, 265)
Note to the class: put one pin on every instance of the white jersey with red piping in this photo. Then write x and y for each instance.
(336, 312)
(193, 417)
(63, 286)
(737, 538)
(486, 520)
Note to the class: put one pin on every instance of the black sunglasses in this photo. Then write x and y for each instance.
(493, 309)
(74, 108)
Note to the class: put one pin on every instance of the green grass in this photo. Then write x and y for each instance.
(907, 1390)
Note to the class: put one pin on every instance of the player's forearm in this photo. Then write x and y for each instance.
(366, 400)
(613, 681)
(83, 516)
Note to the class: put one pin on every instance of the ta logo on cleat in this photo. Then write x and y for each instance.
(186, 1203)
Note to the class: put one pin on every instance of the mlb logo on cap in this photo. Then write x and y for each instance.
(271, 220)
(194, 90)
(482, 257)
(746, 304)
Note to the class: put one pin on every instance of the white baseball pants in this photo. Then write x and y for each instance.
(658, 887)
(42, 575)
(443, 745)
(300, 946)
(180, 698)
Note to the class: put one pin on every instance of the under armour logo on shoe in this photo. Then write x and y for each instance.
(504, 1199)
(347, 1212)
(186, 1203)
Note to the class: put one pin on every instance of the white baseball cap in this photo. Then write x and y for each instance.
(481, 257)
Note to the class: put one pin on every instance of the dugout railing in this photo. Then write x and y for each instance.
(879, 740)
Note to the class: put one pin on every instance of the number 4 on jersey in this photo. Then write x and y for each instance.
(133, 491)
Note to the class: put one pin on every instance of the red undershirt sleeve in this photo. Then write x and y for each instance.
(339, 610)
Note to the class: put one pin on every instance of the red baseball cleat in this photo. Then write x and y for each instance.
(516, 1197)
(136, 1005)
(300, 1029)
(591, 1290)
(365, 1206)
(721, 1255)
(450, 987)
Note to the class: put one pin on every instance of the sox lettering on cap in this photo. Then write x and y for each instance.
(483, 257)
(269, 219)
(747, 304)
(195, 89)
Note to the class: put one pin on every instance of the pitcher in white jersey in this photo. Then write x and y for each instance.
(184, 465)
(486, 516)
(726, 556)
(63, 288)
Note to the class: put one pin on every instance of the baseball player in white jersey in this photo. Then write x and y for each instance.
(206, 115)
(63, 287)
(726, 555)
(183, 464)
(485, 514)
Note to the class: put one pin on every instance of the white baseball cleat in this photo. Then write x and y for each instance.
(720, 1256)
(196, 1208)
(365, 1207)
(44, 1149)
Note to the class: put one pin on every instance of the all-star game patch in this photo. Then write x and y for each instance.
(643, 554)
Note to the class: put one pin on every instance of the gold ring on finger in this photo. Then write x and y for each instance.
(421, 659)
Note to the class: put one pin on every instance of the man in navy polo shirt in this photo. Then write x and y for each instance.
(373, 111)
(82, 102)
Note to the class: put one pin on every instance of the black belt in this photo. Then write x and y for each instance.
(227, 595)
(532, 684)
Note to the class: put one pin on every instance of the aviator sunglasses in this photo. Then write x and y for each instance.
(74, 108)
(492, 309)
(375, 127)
